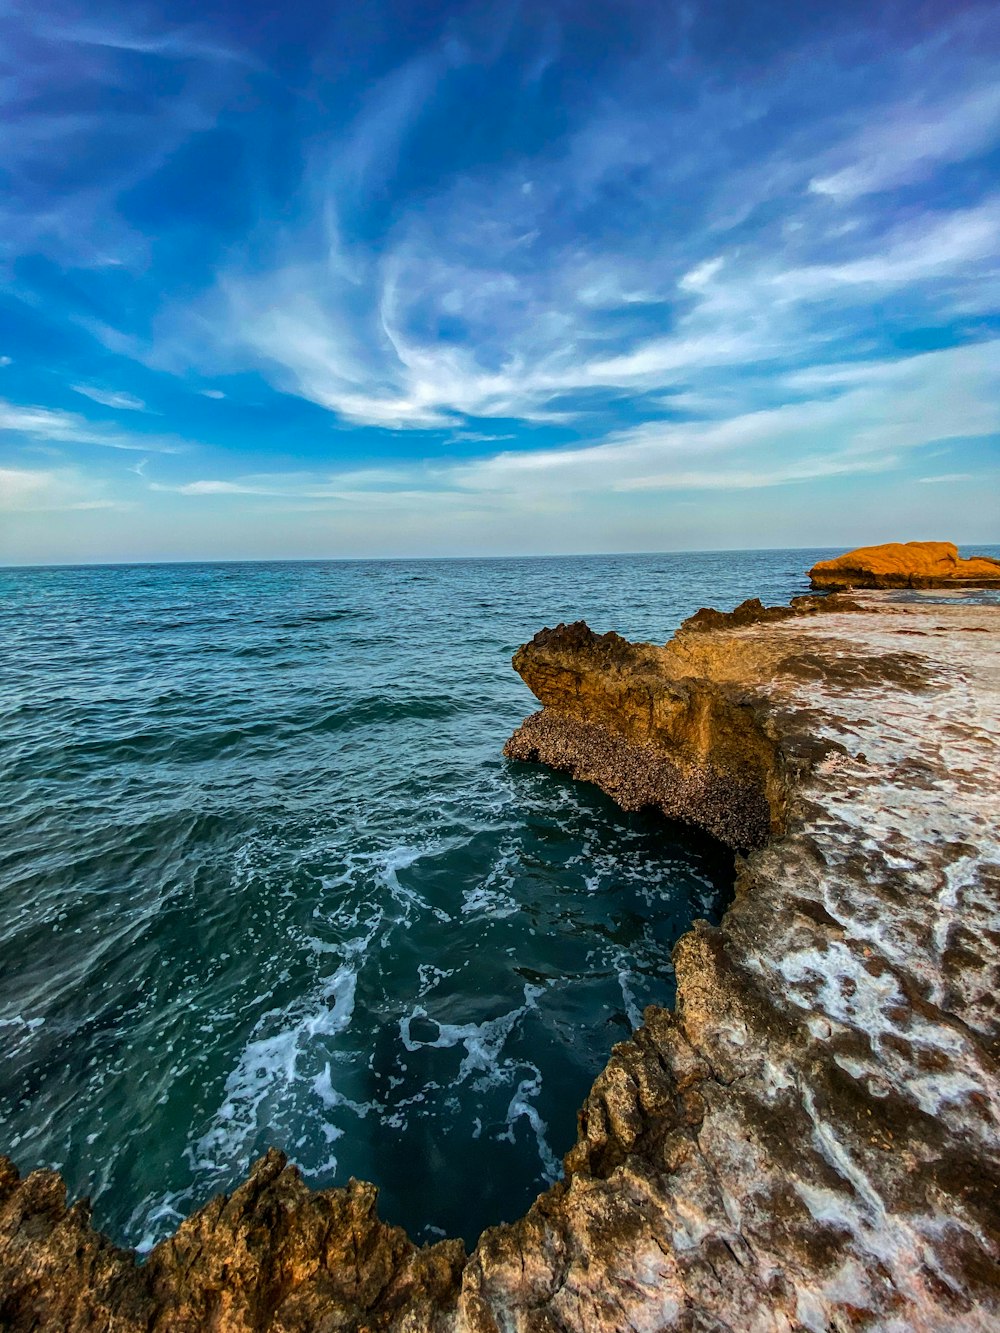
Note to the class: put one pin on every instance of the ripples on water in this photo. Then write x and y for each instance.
(265, 877)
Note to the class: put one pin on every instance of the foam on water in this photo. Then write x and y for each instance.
(267, 1068)
(483, 1042)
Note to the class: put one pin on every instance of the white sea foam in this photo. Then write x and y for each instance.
(624, 978)
(322, 1086)
(490, 902)
(521, 1108)
(431, 976)
(484, 1067)
(268, 1068)
(401, 857)
(483, 1042)
(493, 897)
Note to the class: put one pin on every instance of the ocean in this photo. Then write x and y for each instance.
(265, 877)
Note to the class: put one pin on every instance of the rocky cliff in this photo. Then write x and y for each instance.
(810, 1141)
(905, 565)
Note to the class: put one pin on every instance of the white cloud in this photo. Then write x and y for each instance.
(909, 142)
(109, 398)
(702, 274)
(209, 487)
(361, 335)
(937, 244)
(734, 478)
(479, 437)
(175, 44)
(489, 300)
(308, 485)
(875, 414)
(660, 360)
(973, 368)
(51, 426)
(868, 417)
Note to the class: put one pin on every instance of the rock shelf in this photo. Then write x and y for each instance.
(906, 565)
(811, 1140)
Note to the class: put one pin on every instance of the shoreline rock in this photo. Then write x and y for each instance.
(811, 1140)
(272, 1255)
(906, 565)
(612, 715)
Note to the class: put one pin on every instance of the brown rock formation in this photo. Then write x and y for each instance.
(612, 715)
(811, 1141)
(905, 565)
(274, 1255)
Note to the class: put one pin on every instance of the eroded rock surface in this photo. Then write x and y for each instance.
(811, 1141)
(273, 1255)
(905, 565)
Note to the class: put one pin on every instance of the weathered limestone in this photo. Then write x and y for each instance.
(905, 565)
(812, 1139)
(621, 715)
(274, 1255)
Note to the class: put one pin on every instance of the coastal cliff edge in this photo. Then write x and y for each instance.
(810, 1140)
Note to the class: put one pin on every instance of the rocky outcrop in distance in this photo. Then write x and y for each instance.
(810, 1140)
(905, 565)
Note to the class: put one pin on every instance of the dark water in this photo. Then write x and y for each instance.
(265, 877)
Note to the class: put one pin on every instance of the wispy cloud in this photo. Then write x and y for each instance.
(349, 483)
(130, 35)
(913, 140)
(51, 426)
(84, 123)
(210, 487)
(109, 398)
(476, 310)
(945, 478)
(938, 244)
(750, 312)
(866, 419)
(869, 426)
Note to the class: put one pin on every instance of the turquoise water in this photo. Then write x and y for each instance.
(266, 878)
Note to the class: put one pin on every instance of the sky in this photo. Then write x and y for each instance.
(404, 279)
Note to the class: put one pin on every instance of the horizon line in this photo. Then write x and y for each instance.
(410, 559)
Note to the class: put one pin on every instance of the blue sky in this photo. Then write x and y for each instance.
(406, 279)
